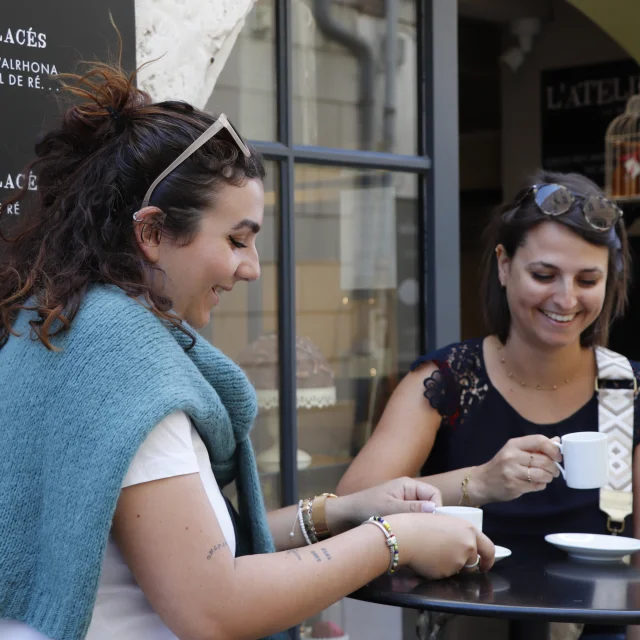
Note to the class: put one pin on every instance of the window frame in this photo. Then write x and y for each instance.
(437, 225)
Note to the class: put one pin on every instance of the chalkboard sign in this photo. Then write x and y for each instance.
(39, 39)
(577, 106)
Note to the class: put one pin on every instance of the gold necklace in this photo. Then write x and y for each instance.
(537, 387)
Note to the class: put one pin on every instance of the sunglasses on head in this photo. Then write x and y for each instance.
(555, 200)
(217, 126)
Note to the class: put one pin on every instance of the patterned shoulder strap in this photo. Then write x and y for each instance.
(616, 386)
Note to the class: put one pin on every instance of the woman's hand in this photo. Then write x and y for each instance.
(438, 546)
(402, 495)
(523, 465)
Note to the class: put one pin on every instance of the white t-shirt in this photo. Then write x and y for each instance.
(122, 611)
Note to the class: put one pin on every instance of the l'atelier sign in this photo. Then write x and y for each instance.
(38, 40)
(577, 106)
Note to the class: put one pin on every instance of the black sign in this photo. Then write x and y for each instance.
(38, 40)
(577, 106)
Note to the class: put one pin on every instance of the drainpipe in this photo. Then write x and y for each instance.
(364, 55)
(390, 60)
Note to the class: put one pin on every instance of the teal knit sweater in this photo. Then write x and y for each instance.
(71, 422)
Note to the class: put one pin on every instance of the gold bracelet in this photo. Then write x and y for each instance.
(320, 525)
(464, 498)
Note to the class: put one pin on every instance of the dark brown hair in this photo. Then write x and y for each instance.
(509, 227)
(93, 171)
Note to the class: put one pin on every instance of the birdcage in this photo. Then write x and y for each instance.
(622, 153)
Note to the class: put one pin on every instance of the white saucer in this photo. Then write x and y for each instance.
(502, 553)
(592, 547)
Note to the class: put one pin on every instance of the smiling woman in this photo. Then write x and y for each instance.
(121, 424)
(221, 254)
(555, 286)
(478, 418)
(588, 227)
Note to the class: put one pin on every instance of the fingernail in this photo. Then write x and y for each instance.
(428, 507)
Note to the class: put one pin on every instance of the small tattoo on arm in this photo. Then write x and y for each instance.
(215, 548)
(314, 554)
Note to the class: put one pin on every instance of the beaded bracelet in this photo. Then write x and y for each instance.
(300, 520)
(304, 517)
(391, 540)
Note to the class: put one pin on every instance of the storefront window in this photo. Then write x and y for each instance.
(353, 71)
(356, 309)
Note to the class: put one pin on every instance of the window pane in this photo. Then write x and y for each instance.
(357, 309)
(349, 89)
(246, 88)
(243, 326)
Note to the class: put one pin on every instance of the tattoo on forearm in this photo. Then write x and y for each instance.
(215, 548)
(318, 557)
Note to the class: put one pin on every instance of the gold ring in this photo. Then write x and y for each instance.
(530, 460)
(529, 474)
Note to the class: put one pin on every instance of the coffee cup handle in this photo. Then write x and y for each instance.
(559, 445)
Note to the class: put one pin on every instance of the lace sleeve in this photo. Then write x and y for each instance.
(459, 384)
(440, 389)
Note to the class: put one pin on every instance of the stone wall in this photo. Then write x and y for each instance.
(189, 42)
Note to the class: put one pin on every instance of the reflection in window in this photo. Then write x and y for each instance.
(350, 89)
(246, 87)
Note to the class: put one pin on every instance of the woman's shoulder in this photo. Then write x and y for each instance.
(459, 382)
(609, 365)
(458, 356)
(635, 366)
(613, 373)
(110, 318)
(112, 307)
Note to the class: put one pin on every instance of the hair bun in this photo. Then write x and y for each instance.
(102, 97)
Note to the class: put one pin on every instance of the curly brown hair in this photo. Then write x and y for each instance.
(93, 171)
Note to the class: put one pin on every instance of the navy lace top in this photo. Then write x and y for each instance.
(477, 421)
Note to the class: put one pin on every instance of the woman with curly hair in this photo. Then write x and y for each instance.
(120, 425)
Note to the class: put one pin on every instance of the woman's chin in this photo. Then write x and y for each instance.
(557, 341)
(199, 320)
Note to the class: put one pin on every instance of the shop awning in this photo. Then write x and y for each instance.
(619, 18)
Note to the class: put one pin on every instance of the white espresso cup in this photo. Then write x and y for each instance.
(586, 459)
(470, 514)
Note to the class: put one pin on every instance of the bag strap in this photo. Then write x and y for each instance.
(616, 386)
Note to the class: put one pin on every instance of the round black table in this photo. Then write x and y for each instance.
(536, 585)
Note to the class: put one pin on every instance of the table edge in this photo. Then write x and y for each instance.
(510, 612)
